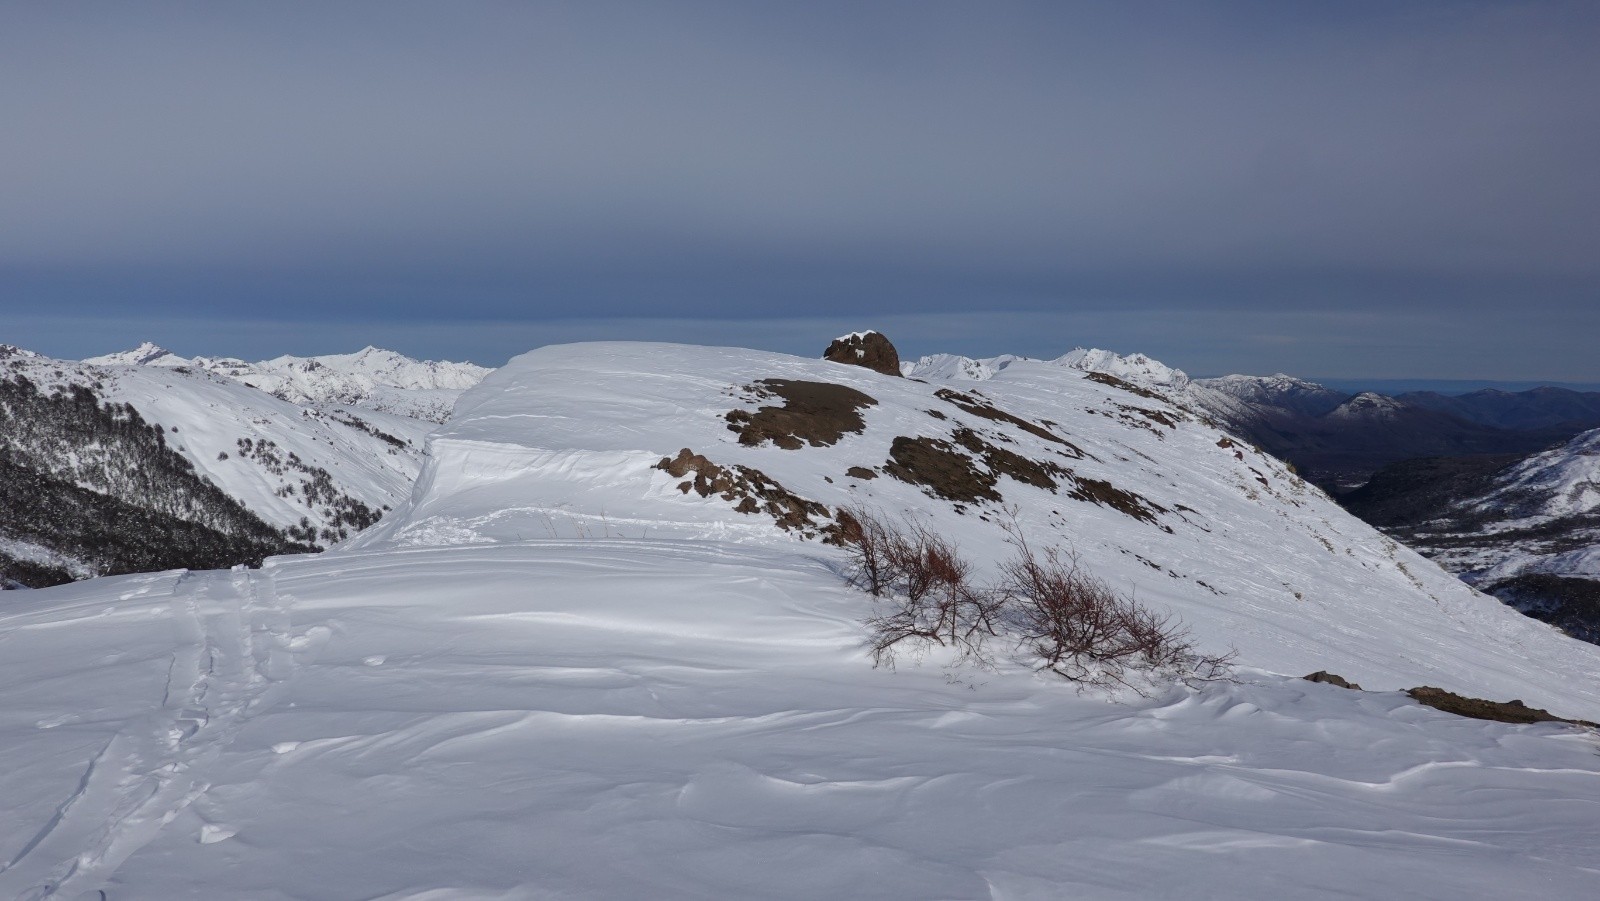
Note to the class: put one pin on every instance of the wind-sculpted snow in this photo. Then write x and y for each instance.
(558, 673)
(642, 718)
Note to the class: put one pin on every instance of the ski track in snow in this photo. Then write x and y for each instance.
(231, 661)
(615, 718)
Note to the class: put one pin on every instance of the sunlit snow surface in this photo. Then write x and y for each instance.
(460, 706)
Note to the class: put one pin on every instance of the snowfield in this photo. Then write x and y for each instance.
(555, 674)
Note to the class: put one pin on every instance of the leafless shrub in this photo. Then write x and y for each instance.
(1077, 625)
(1065, 618)
(868, 539)
(925, 587)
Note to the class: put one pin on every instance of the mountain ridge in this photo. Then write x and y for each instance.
(381, 380)
(311, 476)
(606, 617)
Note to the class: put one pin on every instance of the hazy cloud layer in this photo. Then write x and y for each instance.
(1251, 169)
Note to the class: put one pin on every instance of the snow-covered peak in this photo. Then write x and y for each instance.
(372, 377)
(1280, 390)
(11, 351)
(1261, 388)
(146, 354)
(1368, 405)
(953, 366)
(385, 367)
(1136, 368)
(227, 367)
(1560, 482)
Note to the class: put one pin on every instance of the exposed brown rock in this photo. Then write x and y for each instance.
(860, 472)
(946, 472)
(818, 413)
(753, 490)
(867, 349)
(1106, 494)
(1156, 416)
(978, 407)
(1032, 472)
(1331, 679)
(943, 470)
(1479, 709)
(1106, 378)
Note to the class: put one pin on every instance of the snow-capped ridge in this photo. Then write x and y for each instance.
(1566, 478)
(328, 470)
(378, 379)
(387, 368)
(1264, 388)
(944, 366)
(1136, 368)
(1368, 405)
(579, 441)
(147, 353)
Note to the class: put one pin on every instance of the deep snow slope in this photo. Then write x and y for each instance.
(566, 441)
(553, 674)
(283, 462)
(372, 378)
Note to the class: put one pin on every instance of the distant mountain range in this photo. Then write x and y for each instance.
(1452, 387)
(1501, 488)
(144, 460)
(1335, 438)
(376, 379)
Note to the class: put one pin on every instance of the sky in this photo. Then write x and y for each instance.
(1355, 189)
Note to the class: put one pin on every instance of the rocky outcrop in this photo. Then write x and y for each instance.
(869, 349)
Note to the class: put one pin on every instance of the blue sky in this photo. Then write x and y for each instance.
(1356, 189)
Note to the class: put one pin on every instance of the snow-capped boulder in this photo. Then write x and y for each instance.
(867, 349)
